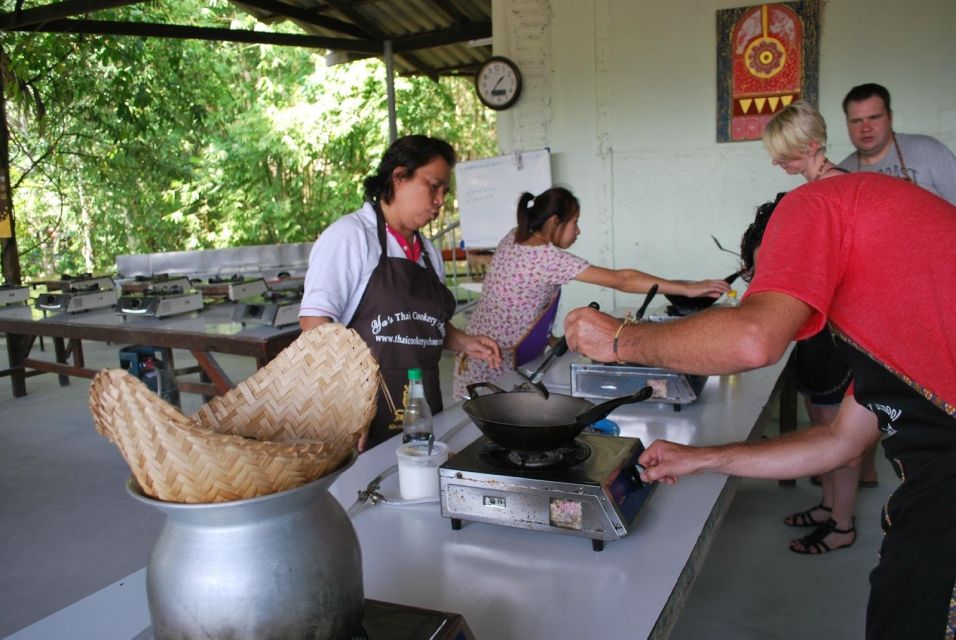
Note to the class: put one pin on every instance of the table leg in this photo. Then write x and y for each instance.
(62, 356)
(212, 372)
(18, 348)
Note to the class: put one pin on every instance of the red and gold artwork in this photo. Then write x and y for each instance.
(762, 67)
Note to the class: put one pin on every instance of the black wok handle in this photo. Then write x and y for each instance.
(647, 301)
(559, 349)
(602, 410)
(473, 388)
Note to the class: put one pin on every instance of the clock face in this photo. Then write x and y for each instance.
(498, 83)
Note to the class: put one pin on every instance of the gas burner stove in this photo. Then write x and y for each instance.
(79, 294)
(155, 283)
(235, 287)
(276, 308)
(613, 380)
(11, 293)
(597, 496)
(161, 298)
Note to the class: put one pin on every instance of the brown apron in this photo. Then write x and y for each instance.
(402, 317)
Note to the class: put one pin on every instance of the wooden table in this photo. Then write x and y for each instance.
(202, 333)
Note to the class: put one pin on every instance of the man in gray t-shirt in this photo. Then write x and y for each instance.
(916, 158)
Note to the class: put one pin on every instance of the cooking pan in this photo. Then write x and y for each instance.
(526, 421)
(686, 305)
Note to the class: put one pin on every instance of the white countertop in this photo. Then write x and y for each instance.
(513, 583)
(517, 584)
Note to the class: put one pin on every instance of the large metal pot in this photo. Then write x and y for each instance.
(527, 421)
(286, 565)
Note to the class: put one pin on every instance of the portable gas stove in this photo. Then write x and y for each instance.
(277, 308)
(161, 299)
(81, 294)
(11, 293)
(232, 287)
(590, 488)
(611, 380)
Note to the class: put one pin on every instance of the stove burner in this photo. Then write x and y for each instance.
(226, 279)
(563, 457)
(174, 290)
(285, 295)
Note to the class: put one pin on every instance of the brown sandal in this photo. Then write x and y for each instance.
(814, 545)
(805, 518)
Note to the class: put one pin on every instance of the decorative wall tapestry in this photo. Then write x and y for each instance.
(767, 57)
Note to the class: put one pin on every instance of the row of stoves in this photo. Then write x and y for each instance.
(257, 302)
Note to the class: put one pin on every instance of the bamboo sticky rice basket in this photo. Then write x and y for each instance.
(295, 420)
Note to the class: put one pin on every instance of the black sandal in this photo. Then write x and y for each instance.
(813, 544)
(805, 518)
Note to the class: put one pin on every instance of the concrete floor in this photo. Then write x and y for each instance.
(69, 528)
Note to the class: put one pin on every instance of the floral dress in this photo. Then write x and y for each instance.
(521, 283)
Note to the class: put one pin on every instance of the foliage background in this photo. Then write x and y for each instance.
(131, 145)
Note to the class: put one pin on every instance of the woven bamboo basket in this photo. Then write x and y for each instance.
(295, 420)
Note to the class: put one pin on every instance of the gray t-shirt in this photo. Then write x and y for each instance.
(928, 162)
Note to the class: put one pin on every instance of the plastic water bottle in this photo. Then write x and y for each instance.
(417, 420)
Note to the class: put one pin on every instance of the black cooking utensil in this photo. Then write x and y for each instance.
(647, 301)
(558, 350)
(602, 410)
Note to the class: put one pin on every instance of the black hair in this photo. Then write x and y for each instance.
(409, 153)
(753, 236)
(534, 211)
(865, 91)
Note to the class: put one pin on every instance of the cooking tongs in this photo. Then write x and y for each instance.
(558, 350)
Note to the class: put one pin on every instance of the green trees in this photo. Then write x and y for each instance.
(131, 145)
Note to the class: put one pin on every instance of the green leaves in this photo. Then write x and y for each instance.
(140, 145)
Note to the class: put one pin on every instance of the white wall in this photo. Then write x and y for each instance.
(624, 94)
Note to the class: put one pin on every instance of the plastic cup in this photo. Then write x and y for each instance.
(418, 470)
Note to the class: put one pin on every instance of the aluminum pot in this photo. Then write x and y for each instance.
(282, 566)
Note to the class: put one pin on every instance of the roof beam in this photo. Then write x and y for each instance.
(182, 32)
(285, 10)
(451, 35)
(347, 10)
(14, 19)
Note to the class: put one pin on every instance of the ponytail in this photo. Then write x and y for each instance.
(525, 204)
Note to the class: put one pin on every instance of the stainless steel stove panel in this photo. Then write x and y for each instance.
(598, 498)
(13, 294)
(74, 302)
(247, 289)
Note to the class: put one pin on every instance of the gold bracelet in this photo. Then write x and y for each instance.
(628, 319)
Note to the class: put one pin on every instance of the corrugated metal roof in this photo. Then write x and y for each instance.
(430, 37)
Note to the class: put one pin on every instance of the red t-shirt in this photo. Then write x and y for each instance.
(876, 257)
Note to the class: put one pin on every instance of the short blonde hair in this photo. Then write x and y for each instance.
(792, 129)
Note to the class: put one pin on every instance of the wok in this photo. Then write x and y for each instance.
(526, 421)
(686, 305)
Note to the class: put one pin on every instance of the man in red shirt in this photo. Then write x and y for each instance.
(873, 257)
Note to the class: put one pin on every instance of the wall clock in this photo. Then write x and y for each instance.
(498, 82)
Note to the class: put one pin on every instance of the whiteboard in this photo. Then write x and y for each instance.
(488, 190)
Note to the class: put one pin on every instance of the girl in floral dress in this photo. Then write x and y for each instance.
(519, 295)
